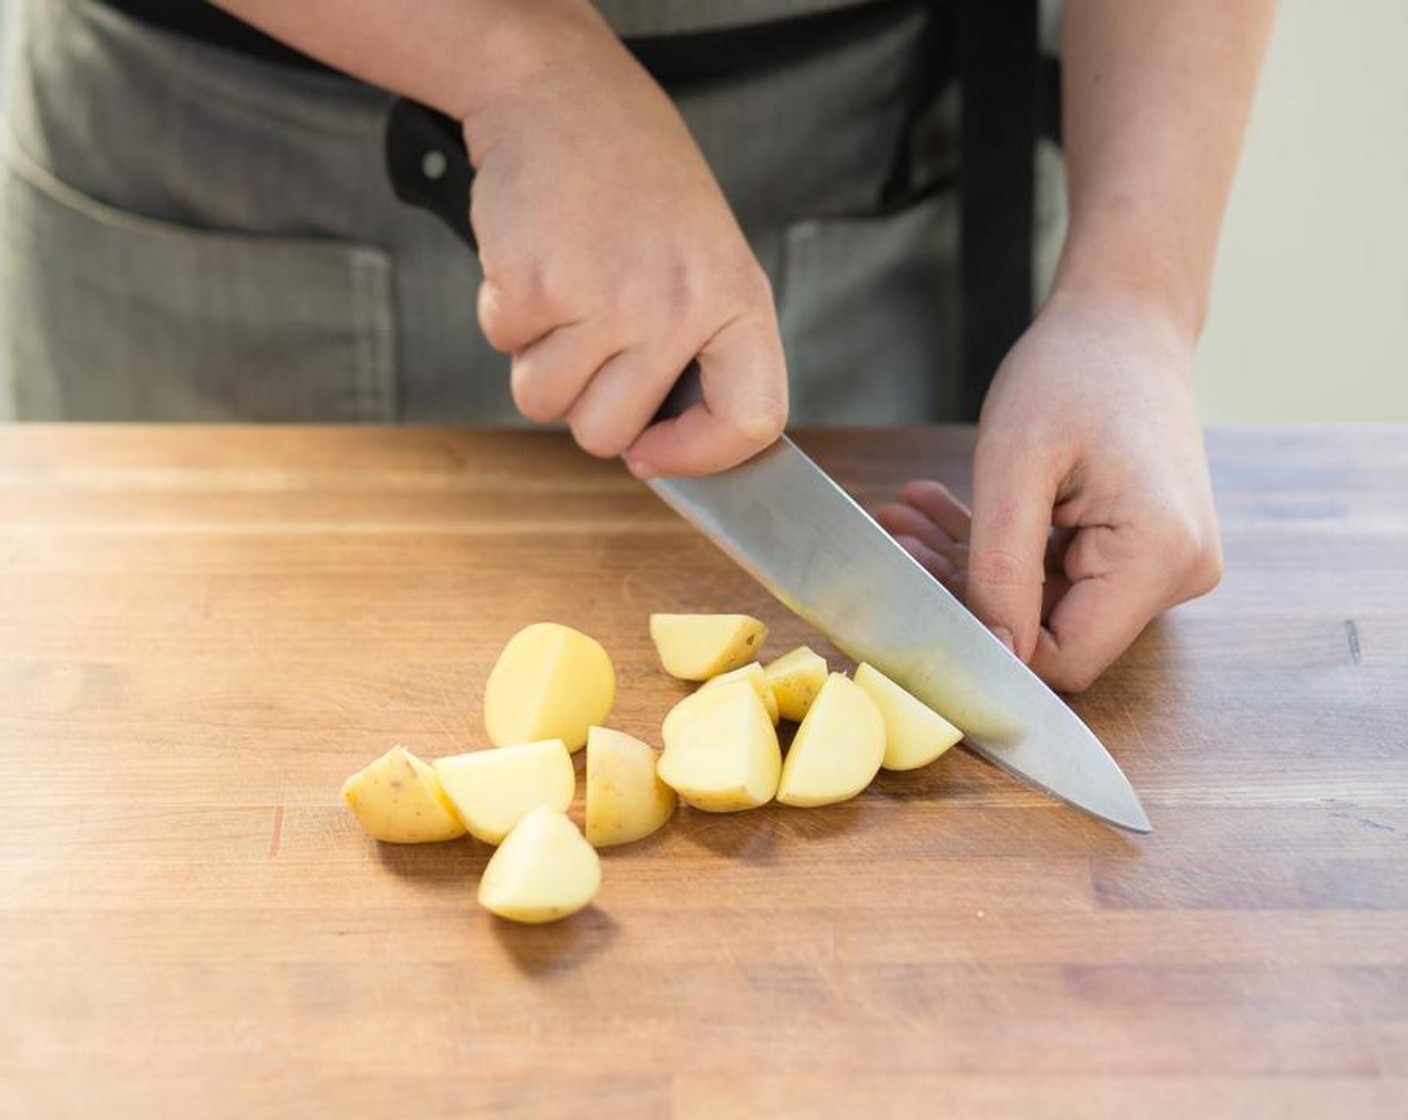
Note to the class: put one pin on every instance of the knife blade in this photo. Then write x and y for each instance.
(786, 523)
(783, 520)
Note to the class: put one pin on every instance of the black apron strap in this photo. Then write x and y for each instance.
(998, 66)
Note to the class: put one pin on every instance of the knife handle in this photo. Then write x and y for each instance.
(428, 165)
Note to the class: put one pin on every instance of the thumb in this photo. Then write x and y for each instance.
(744, 378)
(1013, 496)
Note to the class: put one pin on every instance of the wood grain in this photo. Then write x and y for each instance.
(202, 631)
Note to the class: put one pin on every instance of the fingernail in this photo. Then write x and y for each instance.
(641, 470)
(1004, 635)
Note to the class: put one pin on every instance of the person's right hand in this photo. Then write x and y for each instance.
(611, 258)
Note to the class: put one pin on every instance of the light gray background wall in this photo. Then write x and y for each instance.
(1310, 307)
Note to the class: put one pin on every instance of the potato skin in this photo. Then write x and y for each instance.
(398, 799)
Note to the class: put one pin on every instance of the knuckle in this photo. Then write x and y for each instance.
(1180, 545)
(519, 300)
(1208, 571)
(1073, 679)
(534, 399)
(1000, 567)
(603, 441)
(1191, 550)
(753, 284)
(523, 275)
(680, 289)
(494, 318)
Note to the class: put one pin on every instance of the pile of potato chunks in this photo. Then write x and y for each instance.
(549, 695)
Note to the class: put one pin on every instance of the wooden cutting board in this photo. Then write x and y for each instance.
(203, 630)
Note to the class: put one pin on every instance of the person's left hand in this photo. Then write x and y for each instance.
(1093, 509)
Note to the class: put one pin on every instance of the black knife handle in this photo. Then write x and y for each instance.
(428, 165)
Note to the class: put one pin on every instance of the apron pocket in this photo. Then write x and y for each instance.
(114, 316)
(868, 310)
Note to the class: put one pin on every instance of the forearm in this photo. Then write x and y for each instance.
(455, 55)
(1156, 99)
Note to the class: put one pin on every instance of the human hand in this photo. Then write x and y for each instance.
(1092, 506)
(611, 259)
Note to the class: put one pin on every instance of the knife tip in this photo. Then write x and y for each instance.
(1134, 819)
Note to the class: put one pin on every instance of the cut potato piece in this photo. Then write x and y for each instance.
(795, 678)
(838, 748)
(493, 790)
(543, 871)
(626, 800)
(752, 674)
(722, 756)
(550, 682)
(695, 647)
(398, 799)
(915, 734)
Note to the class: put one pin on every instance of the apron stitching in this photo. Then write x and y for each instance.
(361, 282)
(374, 368)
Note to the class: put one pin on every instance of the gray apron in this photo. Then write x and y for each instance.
(632, 18)
(187, 233)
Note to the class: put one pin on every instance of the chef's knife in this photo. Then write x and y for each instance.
(783, 520)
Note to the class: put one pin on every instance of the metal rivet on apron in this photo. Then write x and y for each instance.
(433, 164)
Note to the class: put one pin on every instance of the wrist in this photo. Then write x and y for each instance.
(1122, 266)
(524, 50)
(1121, 320)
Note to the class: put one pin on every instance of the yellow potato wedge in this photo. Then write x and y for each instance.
(398, 799)
(751, 673)
(795, 679)
(695, 647)
(915, 734)
(723, 756)
(754, 675)
(837, 749)
(544, 870)
(492, 790)
(550, 682)
(626, 800)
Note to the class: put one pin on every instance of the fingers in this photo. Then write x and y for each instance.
(1053, 591)
(936, 502)
(1013, 496)
(941, 567)
(1090, 626)
(1057, 581)
(897, 520)
(608, 387)
(608, 398)
(550, 374)
(933, 526)
(1121, 577)
(1115, 592)
(744, 409)
(623, 396)
(513, 323)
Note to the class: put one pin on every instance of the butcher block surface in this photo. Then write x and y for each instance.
(203, 631)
